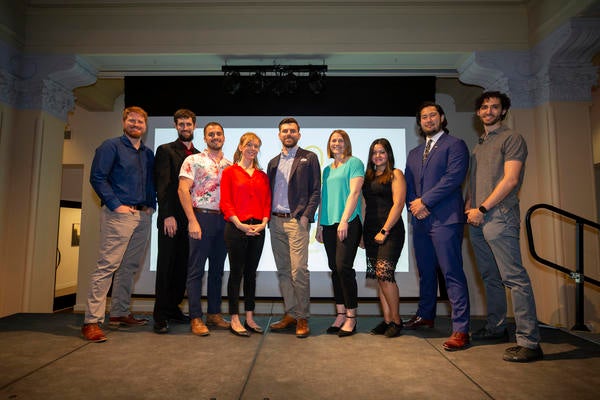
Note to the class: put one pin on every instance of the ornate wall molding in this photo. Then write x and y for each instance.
(557, 69)
(42, 82)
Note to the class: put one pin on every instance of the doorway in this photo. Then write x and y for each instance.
(69, 228)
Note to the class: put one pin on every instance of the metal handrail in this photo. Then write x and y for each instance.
(576, 275)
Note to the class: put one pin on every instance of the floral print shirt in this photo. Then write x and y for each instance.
(206, 173)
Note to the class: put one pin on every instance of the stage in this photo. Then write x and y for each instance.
(44, 357)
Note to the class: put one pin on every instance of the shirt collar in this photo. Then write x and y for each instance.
(291, 152)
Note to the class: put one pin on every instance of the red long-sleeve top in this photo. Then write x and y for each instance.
(243, 195)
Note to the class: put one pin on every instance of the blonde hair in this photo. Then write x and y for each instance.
(244, 140)
(347, 144)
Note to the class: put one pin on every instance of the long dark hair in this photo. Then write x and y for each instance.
(388, 172)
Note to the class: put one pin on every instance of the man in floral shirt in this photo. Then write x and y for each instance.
(199, 192)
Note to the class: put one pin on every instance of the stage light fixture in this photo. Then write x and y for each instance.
(315, 82)
(232, 82)
(277, 79)
(258, 82)
(290, 83)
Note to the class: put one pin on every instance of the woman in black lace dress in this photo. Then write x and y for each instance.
(384, 191)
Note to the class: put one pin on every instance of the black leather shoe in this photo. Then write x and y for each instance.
(522, 354)
(343, 333)
(488, 335)
(417, 322)
(380, 328)
(393, 329)
(161, 327)
(333, 330)
(179, 317)
(243, 333)
(257, 329)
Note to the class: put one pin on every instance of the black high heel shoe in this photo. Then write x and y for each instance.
(343, 333)
(243, 333)
(334, 330)
(258, 329)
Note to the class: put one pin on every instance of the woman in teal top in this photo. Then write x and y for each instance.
(340, 228)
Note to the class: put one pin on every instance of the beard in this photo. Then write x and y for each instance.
(133, 133)
(214, 147)
(290, 143)
(187, 138)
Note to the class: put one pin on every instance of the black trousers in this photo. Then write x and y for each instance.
(244, 254)
(340, 258)
(171, 272)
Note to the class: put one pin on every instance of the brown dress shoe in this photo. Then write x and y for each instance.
(93, 333)
(217, 321)
(417, 322)
(198, 327)
(129, 320)
(458, 341)
(302, 329)
(284, 323)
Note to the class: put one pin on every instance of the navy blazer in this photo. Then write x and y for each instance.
(438, 181)
(304, 187)
(167, 164)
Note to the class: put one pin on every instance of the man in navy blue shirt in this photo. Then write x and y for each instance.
(122, 176)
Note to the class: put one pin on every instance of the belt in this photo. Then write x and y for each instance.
(207, 210)
(139, 207)
(282, 215)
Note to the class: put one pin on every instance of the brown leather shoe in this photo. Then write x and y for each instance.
(302, 329)
(198, 327)
(458, 341)
(129, 320)
(417, 322)
(217, 321)
(93, 333)
(284, 323)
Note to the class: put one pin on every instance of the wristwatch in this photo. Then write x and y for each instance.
(383, 231)
(483, 209)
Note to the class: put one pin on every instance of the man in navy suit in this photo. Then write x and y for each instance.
(295, 178)
(434, 173)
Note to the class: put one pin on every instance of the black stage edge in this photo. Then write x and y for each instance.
(341, 96)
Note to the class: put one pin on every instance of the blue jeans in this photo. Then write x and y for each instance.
(498, 256)
(212, 247)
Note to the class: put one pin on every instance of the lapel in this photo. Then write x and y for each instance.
(432, 151)
(296, 161)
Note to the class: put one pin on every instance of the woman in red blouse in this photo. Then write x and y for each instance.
(246, 206)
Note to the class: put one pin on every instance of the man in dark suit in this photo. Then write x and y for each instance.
(295, 179)
(434, 173)
(173, 242)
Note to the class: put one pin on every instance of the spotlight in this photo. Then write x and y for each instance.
(232, 82)
(315, 82)
(290, 83)
(258, 82)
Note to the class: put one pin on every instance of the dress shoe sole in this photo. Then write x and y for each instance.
(99, 340)
(257, 330)
(239, 333)
(161, 330)
(456, 348)
(303, 335)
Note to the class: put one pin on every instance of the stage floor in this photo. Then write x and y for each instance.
(44, 357)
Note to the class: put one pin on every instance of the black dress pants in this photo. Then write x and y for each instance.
(244, 255)
(340, 258)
